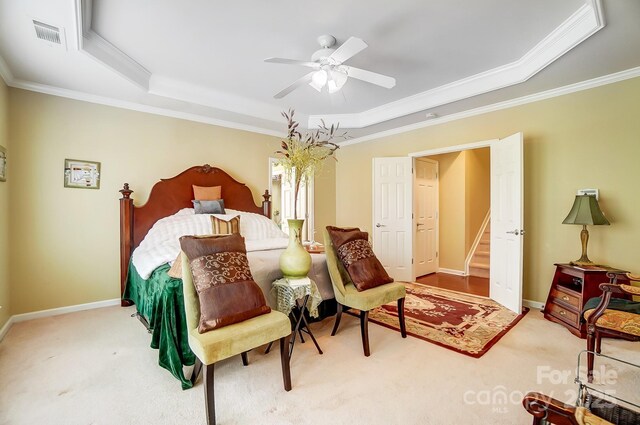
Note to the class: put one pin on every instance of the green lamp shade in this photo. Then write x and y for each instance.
(585, 211)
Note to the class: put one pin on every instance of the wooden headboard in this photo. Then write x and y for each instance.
(169, 196)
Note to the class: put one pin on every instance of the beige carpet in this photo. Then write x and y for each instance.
(95, 367)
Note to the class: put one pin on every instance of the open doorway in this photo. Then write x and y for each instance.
(452, 198)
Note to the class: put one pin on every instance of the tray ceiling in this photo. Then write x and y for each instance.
(203, 60)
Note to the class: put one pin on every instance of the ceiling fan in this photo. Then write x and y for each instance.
(329, 69)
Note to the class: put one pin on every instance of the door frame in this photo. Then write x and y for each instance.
(449, 149)
(414, 224)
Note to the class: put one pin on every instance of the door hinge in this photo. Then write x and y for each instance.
(436, 176)
(412, 261)
(436, 254)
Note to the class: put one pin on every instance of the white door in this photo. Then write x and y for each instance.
(392, 209)
(425, 213)
(507, 222)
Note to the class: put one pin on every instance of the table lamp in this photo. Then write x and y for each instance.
(585, 210)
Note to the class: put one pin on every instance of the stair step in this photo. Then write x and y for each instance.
(479, 272)
(479, 266)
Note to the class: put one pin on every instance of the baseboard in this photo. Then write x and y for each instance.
(54, 312)
(452, 271)
(533, 304)
(6, 327)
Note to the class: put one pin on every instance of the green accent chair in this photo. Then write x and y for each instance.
(348, 296)
(222, 343)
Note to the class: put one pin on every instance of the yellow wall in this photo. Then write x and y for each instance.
(65, 242)
(464, 197)
(5, 311)
(477, 192)
(451, 209)
(587, 139)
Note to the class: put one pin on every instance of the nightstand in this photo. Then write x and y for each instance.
(571, 288)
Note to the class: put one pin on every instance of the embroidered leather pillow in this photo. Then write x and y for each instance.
(207, 193)
(357, 257)
(225, 227)
(222, 278)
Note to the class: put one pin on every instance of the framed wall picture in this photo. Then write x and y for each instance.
(81, 174)
(3, 164)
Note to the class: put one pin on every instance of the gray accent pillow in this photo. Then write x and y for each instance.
(209, 207)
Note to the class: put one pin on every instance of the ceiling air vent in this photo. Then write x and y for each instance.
(48, 33)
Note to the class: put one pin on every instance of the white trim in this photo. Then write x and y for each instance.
(451, 271)
(582, 24)
(5, 72)
(64, 310)
(456, 148)
(548, 94)
(55, 312)
(6, 327)
(476, 241)
(533, 304)
(101, 100)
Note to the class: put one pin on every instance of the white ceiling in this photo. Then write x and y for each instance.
(203, 60)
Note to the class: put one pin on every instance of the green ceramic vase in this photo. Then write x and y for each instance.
(295, 261)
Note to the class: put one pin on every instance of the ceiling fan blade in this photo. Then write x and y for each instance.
(308, 64)
(370, 77)
(300, 82)
(349, 48)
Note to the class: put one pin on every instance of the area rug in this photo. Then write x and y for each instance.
(461, 322)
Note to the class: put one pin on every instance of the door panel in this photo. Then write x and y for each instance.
(392, 223)
(425, 217)
(507, 222)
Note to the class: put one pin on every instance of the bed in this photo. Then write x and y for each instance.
(155, 227)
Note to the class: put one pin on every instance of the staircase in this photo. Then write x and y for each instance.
(479, 264)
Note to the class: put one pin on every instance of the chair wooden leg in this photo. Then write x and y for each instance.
(598, 341)
(338, 317)
(285, 360)
(364, 330)
(245, 359)
(591, 342)
(403, 329)
(208, 394)
(197, 368)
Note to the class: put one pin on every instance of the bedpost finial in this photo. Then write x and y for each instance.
(126, 192)
(266, 195)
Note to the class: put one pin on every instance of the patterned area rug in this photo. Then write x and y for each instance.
(461, 322)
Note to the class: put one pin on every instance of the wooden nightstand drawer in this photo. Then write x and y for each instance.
(565, 296)
(565, 314)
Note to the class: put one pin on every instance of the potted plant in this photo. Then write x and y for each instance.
(301, 156)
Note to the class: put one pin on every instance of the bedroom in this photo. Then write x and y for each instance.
(576, 139)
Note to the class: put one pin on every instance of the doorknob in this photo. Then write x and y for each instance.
(419, 224)
(514, 232)
(380, 225)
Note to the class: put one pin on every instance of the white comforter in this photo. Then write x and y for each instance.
(162, 245)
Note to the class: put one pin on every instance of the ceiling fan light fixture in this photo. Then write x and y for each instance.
(338, 79)
(319, 79)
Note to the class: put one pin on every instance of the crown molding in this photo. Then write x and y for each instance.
(5, 72)
(134, 106)
(586, 21)
(181, 90)
(560, 91)
(96, 47)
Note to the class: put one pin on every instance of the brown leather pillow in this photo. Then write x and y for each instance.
(222, 278)
(355, 253)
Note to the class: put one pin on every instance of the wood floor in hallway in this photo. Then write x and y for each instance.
(469, 284)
